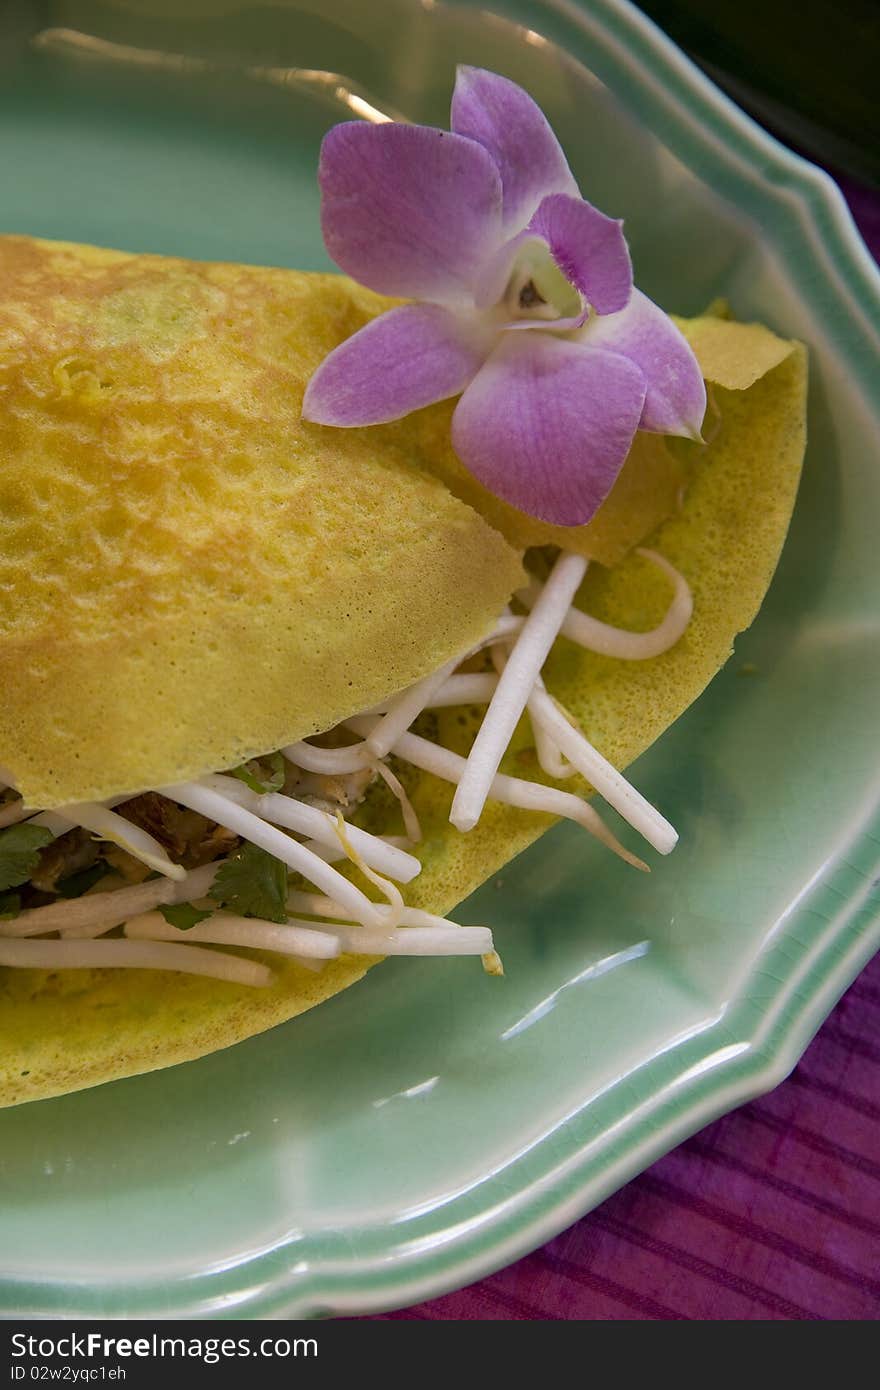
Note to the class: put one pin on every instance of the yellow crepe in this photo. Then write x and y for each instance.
(733, 355)
(189, 573)
(67, 1030)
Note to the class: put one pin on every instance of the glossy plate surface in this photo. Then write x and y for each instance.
(431, 1124)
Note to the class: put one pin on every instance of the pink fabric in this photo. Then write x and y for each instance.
(770, 1213)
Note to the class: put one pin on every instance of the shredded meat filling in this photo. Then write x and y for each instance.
(189, 838)
(68, 855)
(327, 793)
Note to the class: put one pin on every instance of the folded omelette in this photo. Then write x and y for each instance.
(193, 578)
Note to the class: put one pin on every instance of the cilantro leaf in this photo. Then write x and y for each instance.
(20, 847)
(184, 916)
(253, 883)
(254, 776)
(10, 906)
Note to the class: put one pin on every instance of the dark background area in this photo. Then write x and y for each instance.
(809, 70)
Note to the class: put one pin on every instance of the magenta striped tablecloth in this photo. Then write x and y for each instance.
(771, 1212)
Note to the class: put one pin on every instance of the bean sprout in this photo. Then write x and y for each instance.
(106, 824)
(118, 953)
(528, 796)
(96, 913)
(13, 812)
(227, 929)
(617, 791)
(226, 812)
(407, 810)
(527, 656)
(295, 815)
(600, 637)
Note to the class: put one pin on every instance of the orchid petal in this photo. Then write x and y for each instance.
(675, 401)
(504, 119)
(401, 361)
(547, 423)
(409, 210)
(589, 248)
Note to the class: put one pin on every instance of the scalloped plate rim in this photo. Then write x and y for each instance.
(741, 1067)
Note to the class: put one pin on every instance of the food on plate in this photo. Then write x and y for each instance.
(287, 671)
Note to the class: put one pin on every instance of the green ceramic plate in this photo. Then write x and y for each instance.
(430, 1124)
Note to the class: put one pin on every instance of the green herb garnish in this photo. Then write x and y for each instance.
(253, 774)
(76, 884)
(252, 883)
(184, 916)
(20, 847)
(10, 906)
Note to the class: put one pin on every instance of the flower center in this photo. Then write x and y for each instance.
(537, 288)
(529, 296)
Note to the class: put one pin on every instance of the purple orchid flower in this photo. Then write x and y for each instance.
(528, 306)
